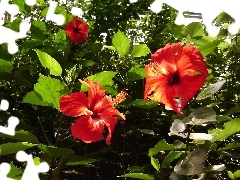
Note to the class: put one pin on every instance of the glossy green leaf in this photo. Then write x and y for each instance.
(145, 105)
(60, 36)
(136, 73)
(138, 176)
(10, 148)
(230, 128)
(24, 136)
(15, 172)
(55, 152)
(34, 98)
(155, 163)
(104, 78)
(30, 44)
(209, 47)
(172, 155)
(48, 62)
(140, 50)
(5, 66)
(160, 146)
(230, 175)
(121, 43)
(193, 30)
(72, 160)
(210, 90)
(237, 174)
(50, 90)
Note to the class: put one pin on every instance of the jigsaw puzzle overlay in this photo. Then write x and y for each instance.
(31, 171)
(209, 10)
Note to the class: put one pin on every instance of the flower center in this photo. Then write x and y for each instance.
(76, 29)
(174, 78)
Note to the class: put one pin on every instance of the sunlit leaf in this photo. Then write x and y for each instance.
(145, 105)
(172, 155)
(209, 47)
(24, 136)
(10, 148)
(136, 73)
(200, 116)
(50, 90)
(138, 176)
(192, 164)
(160, 146)
(155, 163)
(193, 29)
(140, 50)
(178, 126)
(210, 90)
(34, 98)
(121, 43)
(230, 128)
(104, 78)
(48, 62)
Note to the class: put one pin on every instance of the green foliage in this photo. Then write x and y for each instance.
(138, 176)
(48, 62)
(50, 90)
(121, 43)
(140, 50)
(48, 66)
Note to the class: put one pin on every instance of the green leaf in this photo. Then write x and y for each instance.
(136, 169)
(136, 73)
(50, 90)
(55, 152)
(200, 116)
(38, 27)
(209, 47)
(138, 176)
(15, 173)
(60, 36)
(5, 66)
(155, 163)
(104, 78)
(230, 146)
(210, 90)
(140, 50)
(34, 98)
(10, 148)
(160, 146)
(194, 29)
(23, 7)
(223, 118)
(30, 44)
(230, 128)
(87, 63)
(48, 62)
(237, 174)
(145, 105)
(230, 174)
(24, 136)
(121, 43)
(172, 155)
(72, 160)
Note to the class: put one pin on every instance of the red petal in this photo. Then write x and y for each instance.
(75, 104)
(95, 92)
(85, 129)
(193, 72)
(77, 37)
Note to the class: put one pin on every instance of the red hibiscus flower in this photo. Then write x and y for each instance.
(95, 111)
(77, 30)
(176, 73)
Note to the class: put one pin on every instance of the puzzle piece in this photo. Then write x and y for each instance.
(6, 7)
(12, 121)
(31, 171)
(51, 16)
(209, 10)
(77, 11)
(4, 170)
